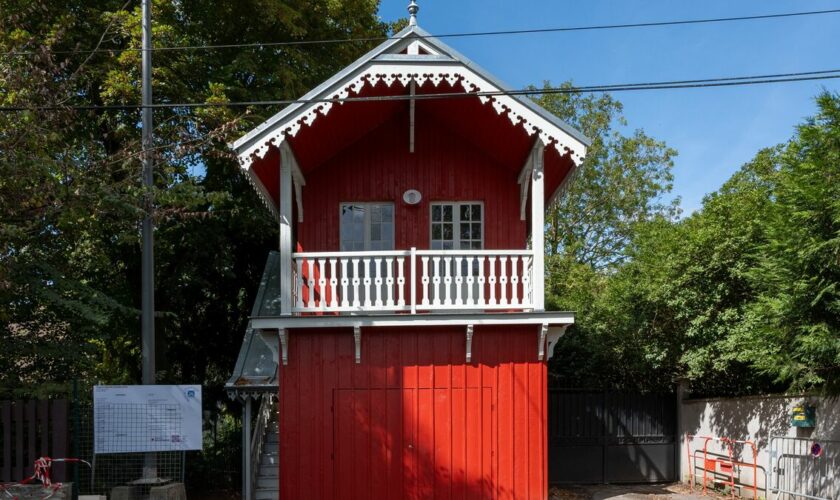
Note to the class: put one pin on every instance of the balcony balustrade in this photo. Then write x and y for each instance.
(412, 281)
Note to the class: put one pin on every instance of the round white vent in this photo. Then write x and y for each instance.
(412, 197)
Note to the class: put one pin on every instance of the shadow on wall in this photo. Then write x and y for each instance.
(756, 419)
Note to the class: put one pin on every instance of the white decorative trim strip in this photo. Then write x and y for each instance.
(516, 112)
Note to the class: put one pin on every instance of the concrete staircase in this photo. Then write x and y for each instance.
(268, 474)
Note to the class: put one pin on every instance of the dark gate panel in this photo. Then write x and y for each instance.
(611, 437)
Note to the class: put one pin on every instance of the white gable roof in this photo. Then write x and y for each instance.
(389, 64)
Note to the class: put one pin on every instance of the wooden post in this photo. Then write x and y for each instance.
(286, 160)
(538, 225)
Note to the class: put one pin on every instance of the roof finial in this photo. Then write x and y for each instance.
(413, 8)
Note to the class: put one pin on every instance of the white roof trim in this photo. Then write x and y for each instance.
(420, 73)
(448, 64)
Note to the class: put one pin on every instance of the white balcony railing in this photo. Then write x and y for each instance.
(412, 281)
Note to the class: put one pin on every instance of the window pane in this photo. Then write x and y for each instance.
(447, 231)
(437, 232)
(375, 232)
(476, 212)
(448, 245)
(387, 232)
(447, 213)
(437, 244)
(476, 245)
(436, 213)
(387, 213)
(465, 213)
(476, 231)
(465, 231)
(358, 214)
(375, 214)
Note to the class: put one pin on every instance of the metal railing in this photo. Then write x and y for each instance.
(267, 407)
(412, 280)
(804, 468)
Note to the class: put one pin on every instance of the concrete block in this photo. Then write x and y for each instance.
(172, 491)
(125, 493)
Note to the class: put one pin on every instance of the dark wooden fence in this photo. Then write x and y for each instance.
(29, 430)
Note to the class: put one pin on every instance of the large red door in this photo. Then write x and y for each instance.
(413, 443)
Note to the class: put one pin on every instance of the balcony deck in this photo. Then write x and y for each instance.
(412, 281)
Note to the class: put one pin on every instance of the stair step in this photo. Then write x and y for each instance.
(272, 438)
(269, 470)
(266, 495)
(271, 447)
(272, 460)
(267, 483)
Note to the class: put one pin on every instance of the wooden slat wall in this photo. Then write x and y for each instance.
(444, 167)
(29, 430)
(413, 420)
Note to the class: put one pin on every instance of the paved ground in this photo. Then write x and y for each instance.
(625, 492)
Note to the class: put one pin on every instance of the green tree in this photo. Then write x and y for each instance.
(623, 180)
(70, 194)
(792, 332)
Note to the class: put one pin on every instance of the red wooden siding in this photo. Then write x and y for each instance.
(379, 167)
(413, 420)
(476, 126)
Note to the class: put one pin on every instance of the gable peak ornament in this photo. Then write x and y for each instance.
(413, 9)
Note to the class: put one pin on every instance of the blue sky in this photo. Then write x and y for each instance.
(714, 130)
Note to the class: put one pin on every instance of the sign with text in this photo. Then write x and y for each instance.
(144, 418)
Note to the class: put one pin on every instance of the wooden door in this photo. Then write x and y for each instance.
(413, 443)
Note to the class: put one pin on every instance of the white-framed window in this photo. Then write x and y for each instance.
(457, 225)
(366, 226)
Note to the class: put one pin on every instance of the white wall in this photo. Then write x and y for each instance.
(756, 418)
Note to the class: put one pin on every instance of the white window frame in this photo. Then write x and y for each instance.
(367, 221)
(456, 221)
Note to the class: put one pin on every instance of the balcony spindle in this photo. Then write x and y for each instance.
(356, 300)
(470, 281)
(447, 281)
(503, 280)
(310, 279)
(345, 281)
(514, 280)
(333, 285)
(299, 283)
(492, 280)
(459, 281)
(436, 281)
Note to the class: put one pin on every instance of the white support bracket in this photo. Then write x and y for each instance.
(412, 107)
(298, 181)
(357, 338)
(470, 331)
(284, 346)
(555, 333)
(524, 182)
(541, 344)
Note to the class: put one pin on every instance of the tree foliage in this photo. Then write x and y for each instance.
(70, 190)
(622, 181)
(739, 297)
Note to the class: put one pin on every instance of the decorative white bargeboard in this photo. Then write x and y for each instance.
(143, 418)
(413, 280)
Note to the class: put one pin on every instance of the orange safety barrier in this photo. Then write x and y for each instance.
(723, 468)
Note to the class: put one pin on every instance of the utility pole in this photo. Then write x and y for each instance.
(147, 318)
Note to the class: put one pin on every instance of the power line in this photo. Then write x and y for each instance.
(651, 24)
(622, 87)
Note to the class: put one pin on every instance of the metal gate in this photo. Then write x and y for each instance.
(804, 468)
(611, 437)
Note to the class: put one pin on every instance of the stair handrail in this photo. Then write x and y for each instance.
(267, 405)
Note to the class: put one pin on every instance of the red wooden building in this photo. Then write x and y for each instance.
(399, 337)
